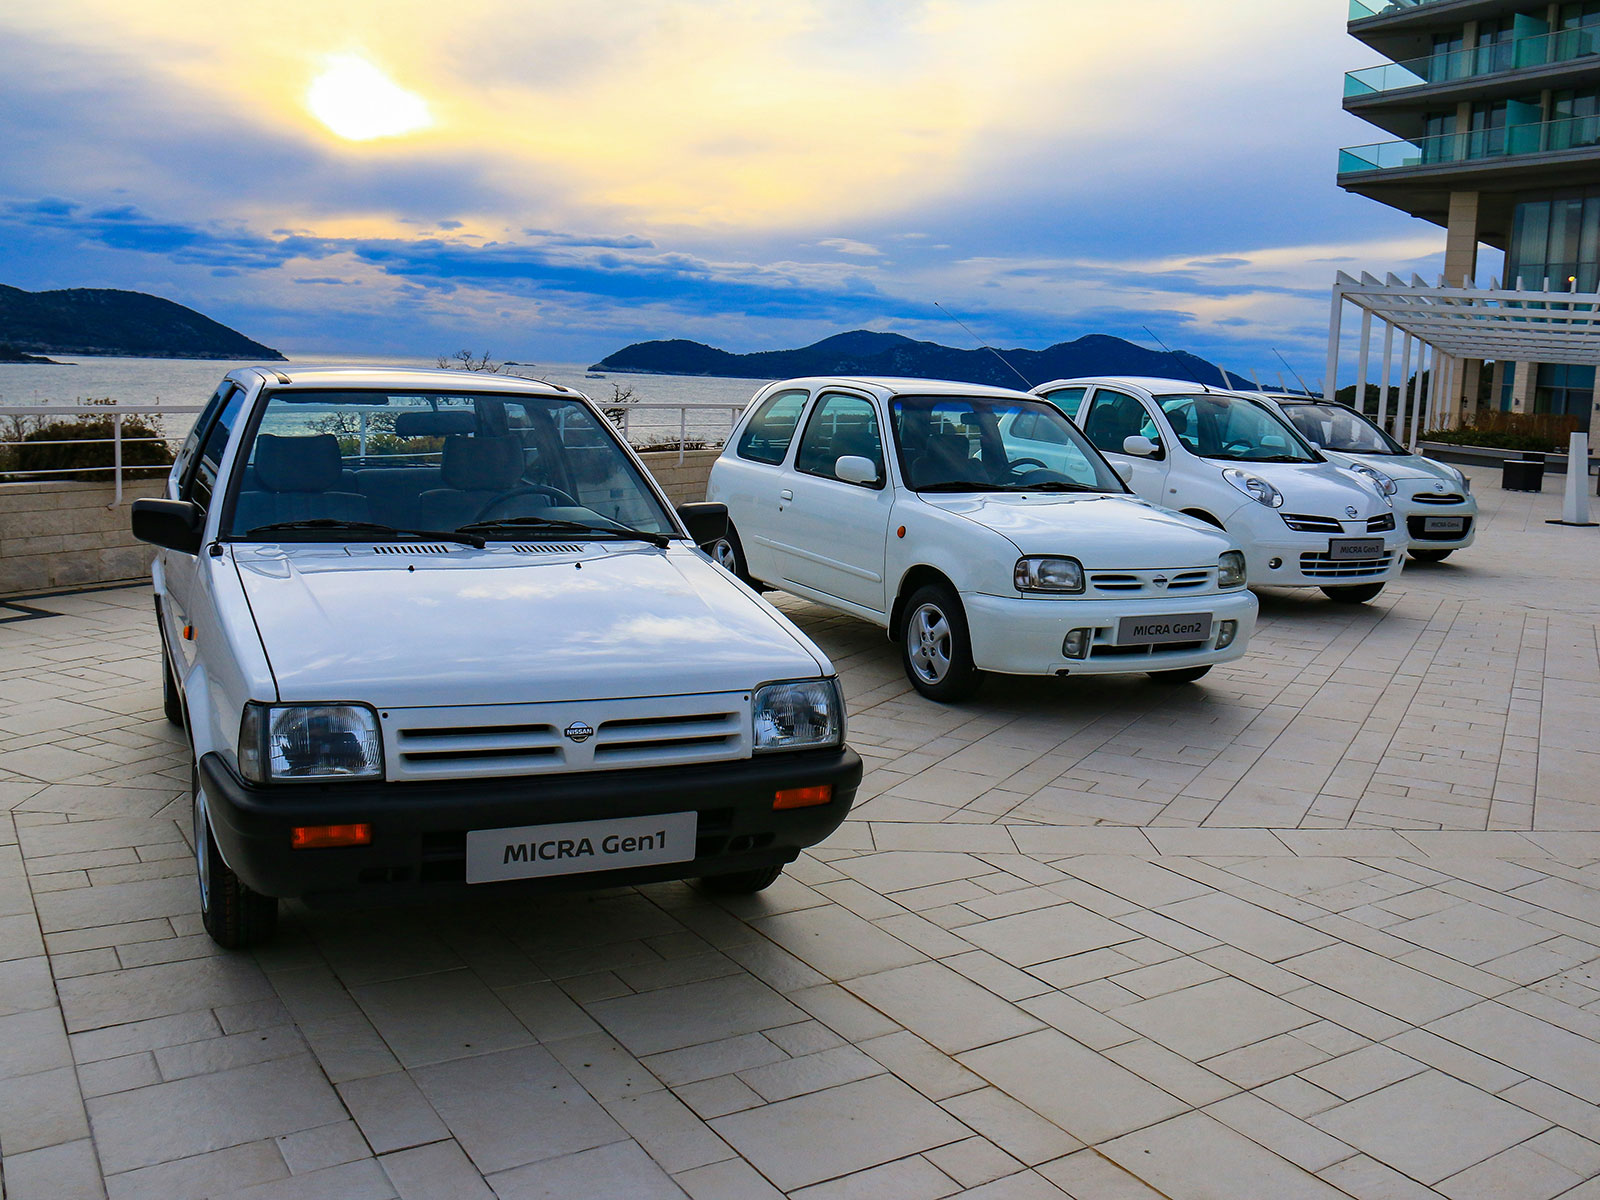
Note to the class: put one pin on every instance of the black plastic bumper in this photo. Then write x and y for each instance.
(419, 830)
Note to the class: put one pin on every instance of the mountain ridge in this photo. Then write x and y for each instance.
(866, 352)
(110, 321)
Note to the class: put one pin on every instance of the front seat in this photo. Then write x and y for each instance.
(475, 472)
(296, 480)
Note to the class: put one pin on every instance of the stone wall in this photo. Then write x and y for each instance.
(63, 535)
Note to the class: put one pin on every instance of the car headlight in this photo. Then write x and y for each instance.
(1459, 475)
(1230, 569)
(309, 742)
(1257, 488)
(1058, 576)
(798, 715)
(1377, 478)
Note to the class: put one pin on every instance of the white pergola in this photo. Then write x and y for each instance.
(1450, 325)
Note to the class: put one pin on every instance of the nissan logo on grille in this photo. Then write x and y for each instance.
(1350, 511)
(578, 731)
(1160, 581)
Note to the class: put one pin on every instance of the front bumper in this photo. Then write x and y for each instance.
(1303, 561)
(1017, 636)
(419, 830)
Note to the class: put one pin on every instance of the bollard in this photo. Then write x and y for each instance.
(1575, 505)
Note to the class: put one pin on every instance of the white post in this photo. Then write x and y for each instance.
(1425, 366)
(116, 456)
(1334, 319)
(1405, 383)
(683, 431)
(1388, 366)
(1575, 507)
(1361, 360)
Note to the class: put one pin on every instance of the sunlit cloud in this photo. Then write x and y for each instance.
(359, 102)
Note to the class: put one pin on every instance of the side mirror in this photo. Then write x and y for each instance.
(170, 524)
(1140, 445)
(1124, 471)
(706, 521)
(853, 468)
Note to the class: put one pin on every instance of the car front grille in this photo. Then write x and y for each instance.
(1304, 523)
(1128, 583)
(1380, 524)
(1317, 565)
(578, 735)
(1439, 498)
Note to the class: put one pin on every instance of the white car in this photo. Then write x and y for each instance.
(1433, 500)
(1237, 464)
(429, 631)
(979, 528)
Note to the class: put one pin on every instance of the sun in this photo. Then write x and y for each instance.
(359, 102)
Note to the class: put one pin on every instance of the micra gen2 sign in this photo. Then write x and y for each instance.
(1154, 631)
(566, 849)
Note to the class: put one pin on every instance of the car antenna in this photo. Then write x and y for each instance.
(1226, 382)
(1025, 384)
(1292, 371)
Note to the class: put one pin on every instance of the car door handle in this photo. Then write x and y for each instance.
(786, 494)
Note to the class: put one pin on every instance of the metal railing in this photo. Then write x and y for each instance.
(1478, 145)
(1565, 45)
(648, 427)
(1360, 10)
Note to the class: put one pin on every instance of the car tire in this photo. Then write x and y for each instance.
(1179, 675)
(935, 646)
(1431, 555)
(171, 698)
(728, 551)
(742, 883)
(1353, 593)
(233, 915)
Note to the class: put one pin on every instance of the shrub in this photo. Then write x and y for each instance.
(1545, 433)
(70, 448)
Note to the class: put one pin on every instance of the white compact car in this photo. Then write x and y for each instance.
(1236, 463)
(427, 629)
(1433, 499)
(977, 526)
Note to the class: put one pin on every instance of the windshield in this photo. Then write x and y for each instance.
(994, 444)
(366, 465)
(1335, 427)
(1233, 429)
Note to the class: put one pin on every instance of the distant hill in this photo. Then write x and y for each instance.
(10, 354)
(863, 352)
(106, 321)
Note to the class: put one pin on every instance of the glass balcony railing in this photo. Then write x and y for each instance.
(1360, 10)
(1566, 45)
(1484, 145)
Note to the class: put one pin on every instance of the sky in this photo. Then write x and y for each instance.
(553, 180)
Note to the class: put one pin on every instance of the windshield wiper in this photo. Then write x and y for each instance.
(1053, 485)
(334, 524)
(962, 485)
(523, 524)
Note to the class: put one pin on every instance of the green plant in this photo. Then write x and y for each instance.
(80, 448)
(1539, 432)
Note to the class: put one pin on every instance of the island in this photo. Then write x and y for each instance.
(864, 352)
(10, 354)
(106, 321)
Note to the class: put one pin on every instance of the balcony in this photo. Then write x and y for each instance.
(1563, 46)
(1476, 147)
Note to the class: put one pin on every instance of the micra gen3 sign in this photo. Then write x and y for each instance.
(567, 849)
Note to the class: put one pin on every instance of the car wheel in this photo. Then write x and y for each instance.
(233, 915)
(1430, 555)
(171, 698)
(1353, 593)
(728, 551)
(935, 647)
(742, 883)
(1180, 675)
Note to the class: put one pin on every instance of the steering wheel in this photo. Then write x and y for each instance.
(1239, 445)
(1043, 475)
(1023, 462)
(527, 489)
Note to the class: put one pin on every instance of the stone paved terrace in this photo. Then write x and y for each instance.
(1327, 924)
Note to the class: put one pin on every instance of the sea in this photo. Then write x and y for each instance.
(188, 381)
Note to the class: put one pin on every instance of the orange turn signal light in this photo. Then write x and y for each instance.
(806, 797)
(317, 837)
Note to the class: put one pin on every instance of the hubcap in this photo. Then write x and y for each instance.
(722, 552)
(202, 860)
(928, 643)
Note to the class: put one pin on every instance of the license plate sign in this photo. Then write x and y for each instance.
(1443, 524)
(1345, 549)
(1158, 631)
(536, 851)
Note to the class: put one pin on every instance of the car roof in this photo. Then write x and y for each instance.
(358, 378)
(896, 385)
(1153, 384)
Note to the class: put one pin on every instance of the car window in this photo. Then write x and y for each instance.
(767, 435)
(202, 482)
(1067, 399)
(1233, 429)
(437, 462)
(840, 425)
(1335, 427)
(971, 443)
(1113, 417)
(183, 464)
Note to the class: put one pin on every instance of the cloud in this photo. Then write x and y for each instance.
(850, 246)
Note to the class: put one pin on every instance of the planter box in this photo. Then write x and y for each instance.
(1493, 456)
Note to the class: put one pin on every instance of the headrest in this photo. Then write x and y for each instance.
(298, 464)
(481, 464)
(433, 424)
